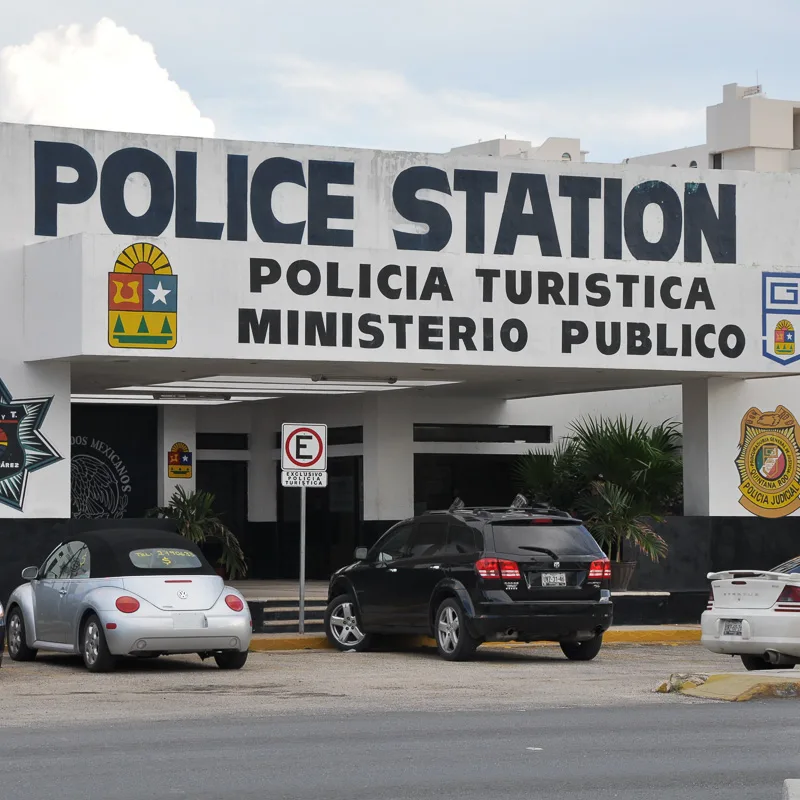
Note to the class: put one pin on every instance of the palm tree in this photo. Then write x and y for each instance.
(196, 520)
(619, 476)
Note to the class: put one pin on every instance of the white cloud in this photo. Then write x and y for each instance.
(102, 77)
(323, 99)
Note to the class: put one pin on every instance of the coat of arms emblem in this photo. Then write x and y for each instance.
(143, 300)
(768, 463)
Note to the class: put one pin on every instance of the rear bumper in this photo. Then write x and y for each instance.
(159, 635)
(762, 630)
(541, 621)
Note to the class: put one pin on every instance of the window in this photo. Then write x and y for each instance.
(353, 434)
(394, 544)
(716, 161)
(693, 164)
(222, 441)
(429, 537)
(164, 558)
(563, 540)
(566, 157)
(68, 560)
(461, 539)
(791, 567)
(504, 434)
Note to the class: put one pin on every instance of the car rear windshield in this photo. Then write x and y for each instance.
(791, 567)
(564, 540)
(151, 558)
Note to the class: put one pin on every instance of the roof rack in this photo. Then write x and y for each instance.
(519, 504)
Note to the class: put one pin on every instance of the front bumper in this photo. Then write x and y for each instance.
(157, 634)
(542, 621)
(762, 630)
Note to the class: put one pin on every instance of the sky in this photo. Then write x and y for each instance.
(626, 77)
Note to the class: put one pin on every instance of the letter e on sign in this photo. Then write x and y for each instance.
(304, 447)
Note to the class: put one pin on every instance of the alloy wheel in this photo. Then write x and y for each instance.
(448, 629)
(14, 634)
(344, 625)
(91, 643)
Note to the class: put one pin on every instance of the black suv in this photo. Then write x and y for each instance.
(471, 575)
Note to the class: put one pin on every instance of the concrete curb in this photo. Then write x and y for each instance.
(791, 790)
(656, 636)
(735, 687)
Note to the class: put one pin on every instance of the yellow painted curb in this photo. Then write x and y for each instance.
(741, 687)
(653, 636)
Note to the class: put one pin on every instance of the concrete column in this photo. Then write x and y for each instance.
(388, 458)
(176, 425)
(696, 455)
(262, 496)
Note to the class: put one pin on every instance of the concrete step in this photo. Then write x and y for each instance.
(291, 603)
(292, 626)
(272, 614)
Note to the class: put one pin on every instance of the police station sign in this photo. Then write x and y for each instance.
(293, 253)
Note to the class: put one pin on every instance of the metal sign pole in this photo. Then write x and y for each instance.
(302, 558)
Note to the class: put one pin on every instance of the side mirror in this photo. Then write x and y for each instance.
(30, 573)
(361, 553)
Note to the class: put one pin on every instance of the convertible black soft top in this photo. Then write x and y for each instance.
(110, 550)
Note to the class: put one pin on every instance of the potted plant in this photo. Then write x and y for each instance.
(619, 477)
(196, 520)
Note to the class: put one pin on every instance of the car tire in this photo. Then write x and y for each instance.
(17, 643)
(454, 642)
(757, 663)
(343, 626)
(94, 648)
(582, 651)
(231, 659)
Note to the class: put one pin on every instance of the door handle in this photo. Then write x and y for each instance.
(62, 592)
(392, 569)
(435, 566)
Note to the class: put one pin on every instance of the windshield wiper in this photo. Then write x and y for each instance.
(539, 550)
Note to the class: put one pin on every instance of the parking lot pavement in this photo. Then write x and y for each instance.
(58, 689)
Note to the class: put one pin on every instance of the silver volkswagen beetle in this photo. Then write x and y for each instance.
(127, 593)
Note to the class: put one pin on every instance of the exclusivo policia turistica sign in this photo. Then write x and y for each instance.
(324, 254)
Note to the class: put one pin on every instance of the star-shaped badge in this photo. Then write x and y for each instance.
(23, 447)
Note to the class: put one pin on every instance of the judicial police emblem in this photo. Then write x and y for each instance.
(143, 300)
(769, 463)
(23, 447)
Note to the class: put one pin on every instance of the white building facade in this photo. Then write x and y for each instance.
(170, 302)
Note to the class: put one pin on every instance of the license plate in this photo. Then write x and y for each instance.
(187, 621)
(732, 627)
(554, 579)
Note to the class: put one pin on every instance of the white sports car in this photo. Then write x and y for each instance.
(118, 593)
(755, 614)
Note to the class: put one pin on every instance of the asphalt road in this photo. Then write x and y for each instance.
(697, 752)
(514, 723)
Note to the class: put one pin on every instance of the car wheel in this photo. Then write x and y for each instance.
(342, 626)
(17, 644)
(94, 648)
(453, 641)
(231, 659)
(582, 651)
(753, 663)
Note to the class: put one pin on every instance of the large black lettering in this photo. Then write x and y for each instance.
(369, 325)
(667, 297)
(436, 283)
(699, 293)
(424, 212)
(605, 346)
(257, 276)
(255, 325)
(638, 338)
(187, 225)
(701, 221)
(666, 198)
(117, 169)
(487, 278)
(401, 323)
(323, 206)
(581, 190)
(268, 176)
(515, 222)
(237, 198)
(384, 287)
(513, 335)
(476, 183)
(612, 218)
(725, 347)
(50, 192)
(551, 286)
(320, 328)
(573, 333)
(293, 277)
(462, 332)
(430, 333)
(598, 293)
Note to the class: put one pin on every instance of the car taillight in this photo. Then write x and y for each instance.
(498, 568)
(710, 600)
(791, 594)
(600, 570)
(488, 568)
(233, 602)
(127, 605)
